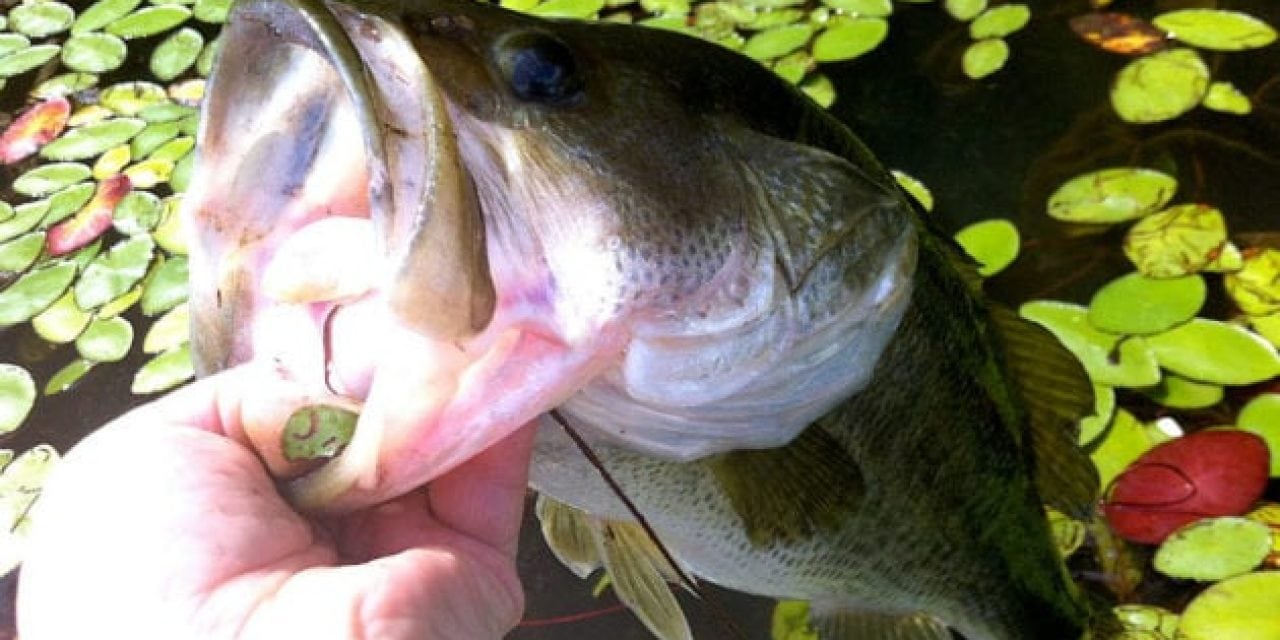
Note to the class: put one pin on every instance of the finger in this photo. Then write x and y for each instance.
(484, 497)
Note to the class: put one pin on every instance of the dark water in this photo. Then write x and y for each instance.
(995, 148)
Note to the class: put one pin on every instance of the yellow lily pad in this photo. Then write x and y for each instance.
(1177, 241)
(1262, 416)
(1217, 352)
(170, 331)
(993, 243)
(915, 188)
(964, 10)
(1160, 86)
(1124, 442)
(1239, 608)
(1214, 549)
(1228, 260)
(1107, 358)
(1216, 29)
(1112, 195)
(163, 372)
(579, 9)
(1177, 392)
(1136, 304)
(1268, 327)
(1225, 97)
(984, 57)
(1255, 288)
(998, 22)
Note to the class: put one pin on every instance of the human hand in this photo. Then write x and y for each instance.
(165, 524)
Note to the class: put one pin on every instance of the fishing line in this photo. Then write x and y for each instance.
(712, 603)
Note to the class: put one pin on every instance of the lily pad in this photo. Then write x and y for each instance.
(849, 38)
(867, 8)
(1136, 304)
(1106, 357)
(1177, 392)
(176, 54)
(152, 137)
(1104, 409)
(1262, 416)
(21, 252)
(94, 52)
(915, 188)
(169, 233)
(166, 288)
(67, 201)
(12, 42)
(1228, 260)
(1112, 195)
(25, 217)
(34, 292)
(102, 13)
(1240, 608)
(578, 9)
(791, 621)
(1177, 241)
(17, 396)
(964, 10)
(204, 63)
(1068, 533)
(1255, 288)
(91, 140)
(149, 21)
(120, 303)
(984, 57)
(131, 98)
(20, 486)
(166, 112)
(819, 89)
(115, 271)
(149, 173)
(27, 59)
(1216, 29)
(777, 41)
(112, 162)
(46, 179)
(1225, 97)
(998, 22)
(40, 18)
(105, 340)
(1146, 622)
(65, 378)
(993, 243)
(1214, 549)
(137, 212)
(164, 372)
(64, 84)
(180, 178)
(212, 11)
(1160, 86)
(170, 331)
(1268, 327)
(62, 321)
(1124, 442)
(317, 432)
(1217, 352)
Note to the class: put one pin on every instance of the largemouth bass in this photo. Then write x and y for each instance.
(790, 374)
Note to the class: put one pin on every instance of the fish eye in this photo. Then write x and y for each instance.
(540, 68)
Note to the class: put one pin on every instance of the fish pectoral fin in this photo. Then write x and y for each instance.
(567, 532)
(837, 624)
(793, 491)
(639, 574)
(1056, 393)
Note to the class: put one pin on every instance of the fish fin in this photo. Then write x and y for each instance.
(1056, 393)
(793, 491)
(639, 575)
(838, 624)
(567, 532)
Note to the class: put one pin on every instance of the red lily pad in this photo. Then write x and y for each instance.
(91, 221)
(1217, 472)
(35, 128)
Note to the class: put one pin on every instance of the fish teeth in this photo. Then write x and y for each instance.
(331, 259)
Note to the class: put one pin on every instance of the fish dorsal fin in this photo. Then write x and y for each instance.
(1056, 393)
(639, 574)
(872, 625)
(567, 532)
(793, 491)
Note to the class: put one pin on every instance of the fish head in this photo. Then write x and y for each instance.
(461, 218)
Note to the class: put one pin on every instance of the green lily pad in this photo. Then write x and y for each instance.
(64, 84)
(166, 288)
(83, 256)
(169, 234)
(204, 63)
(1225, 97)
(164, 372)
(166, 112)
(102, 13)
(819, 89)
(1217, 352)
(666, 7)
(1216, 30)
(1255, 288)
(1240, 608)
(180, 178)
(12, 42)
(65, 378)
(1177, 392)
(1112, 195)
(170, 331)
(35, 291)
(149, 173)
(20, 486)
(791, 621)
(1104, 409)
(1145, 622)
(25, 217)
(1136, 304)
(778, 41)
(91, 140)
(317, 432)
(27, 59)
(915, 188)
(17, 396)
(993, 243)
(40, 18)
(964, 10)
(578, 9)
(68, 201)
(866, 8)
(998, 22)
(152, 137)
(62, 321)
(137, 212)
(149, 21)
(1268, 327)
(1228, 260)
(131, 98)
(1179, 240)
(1068, 533)
(120, 303)
(849, 38)
(1124, 442)
(105, 340)
(46, 179)
(176, 54)
(1106, 357)
(1214, 549)
(1160, 86)
(212, 11)
(94, 52)
(1262, 416)
(115, 271)
(21, 252)
(984, 57)
(793, 67)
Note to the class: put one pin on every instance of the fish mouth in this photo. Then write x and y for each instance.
(329, 186)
